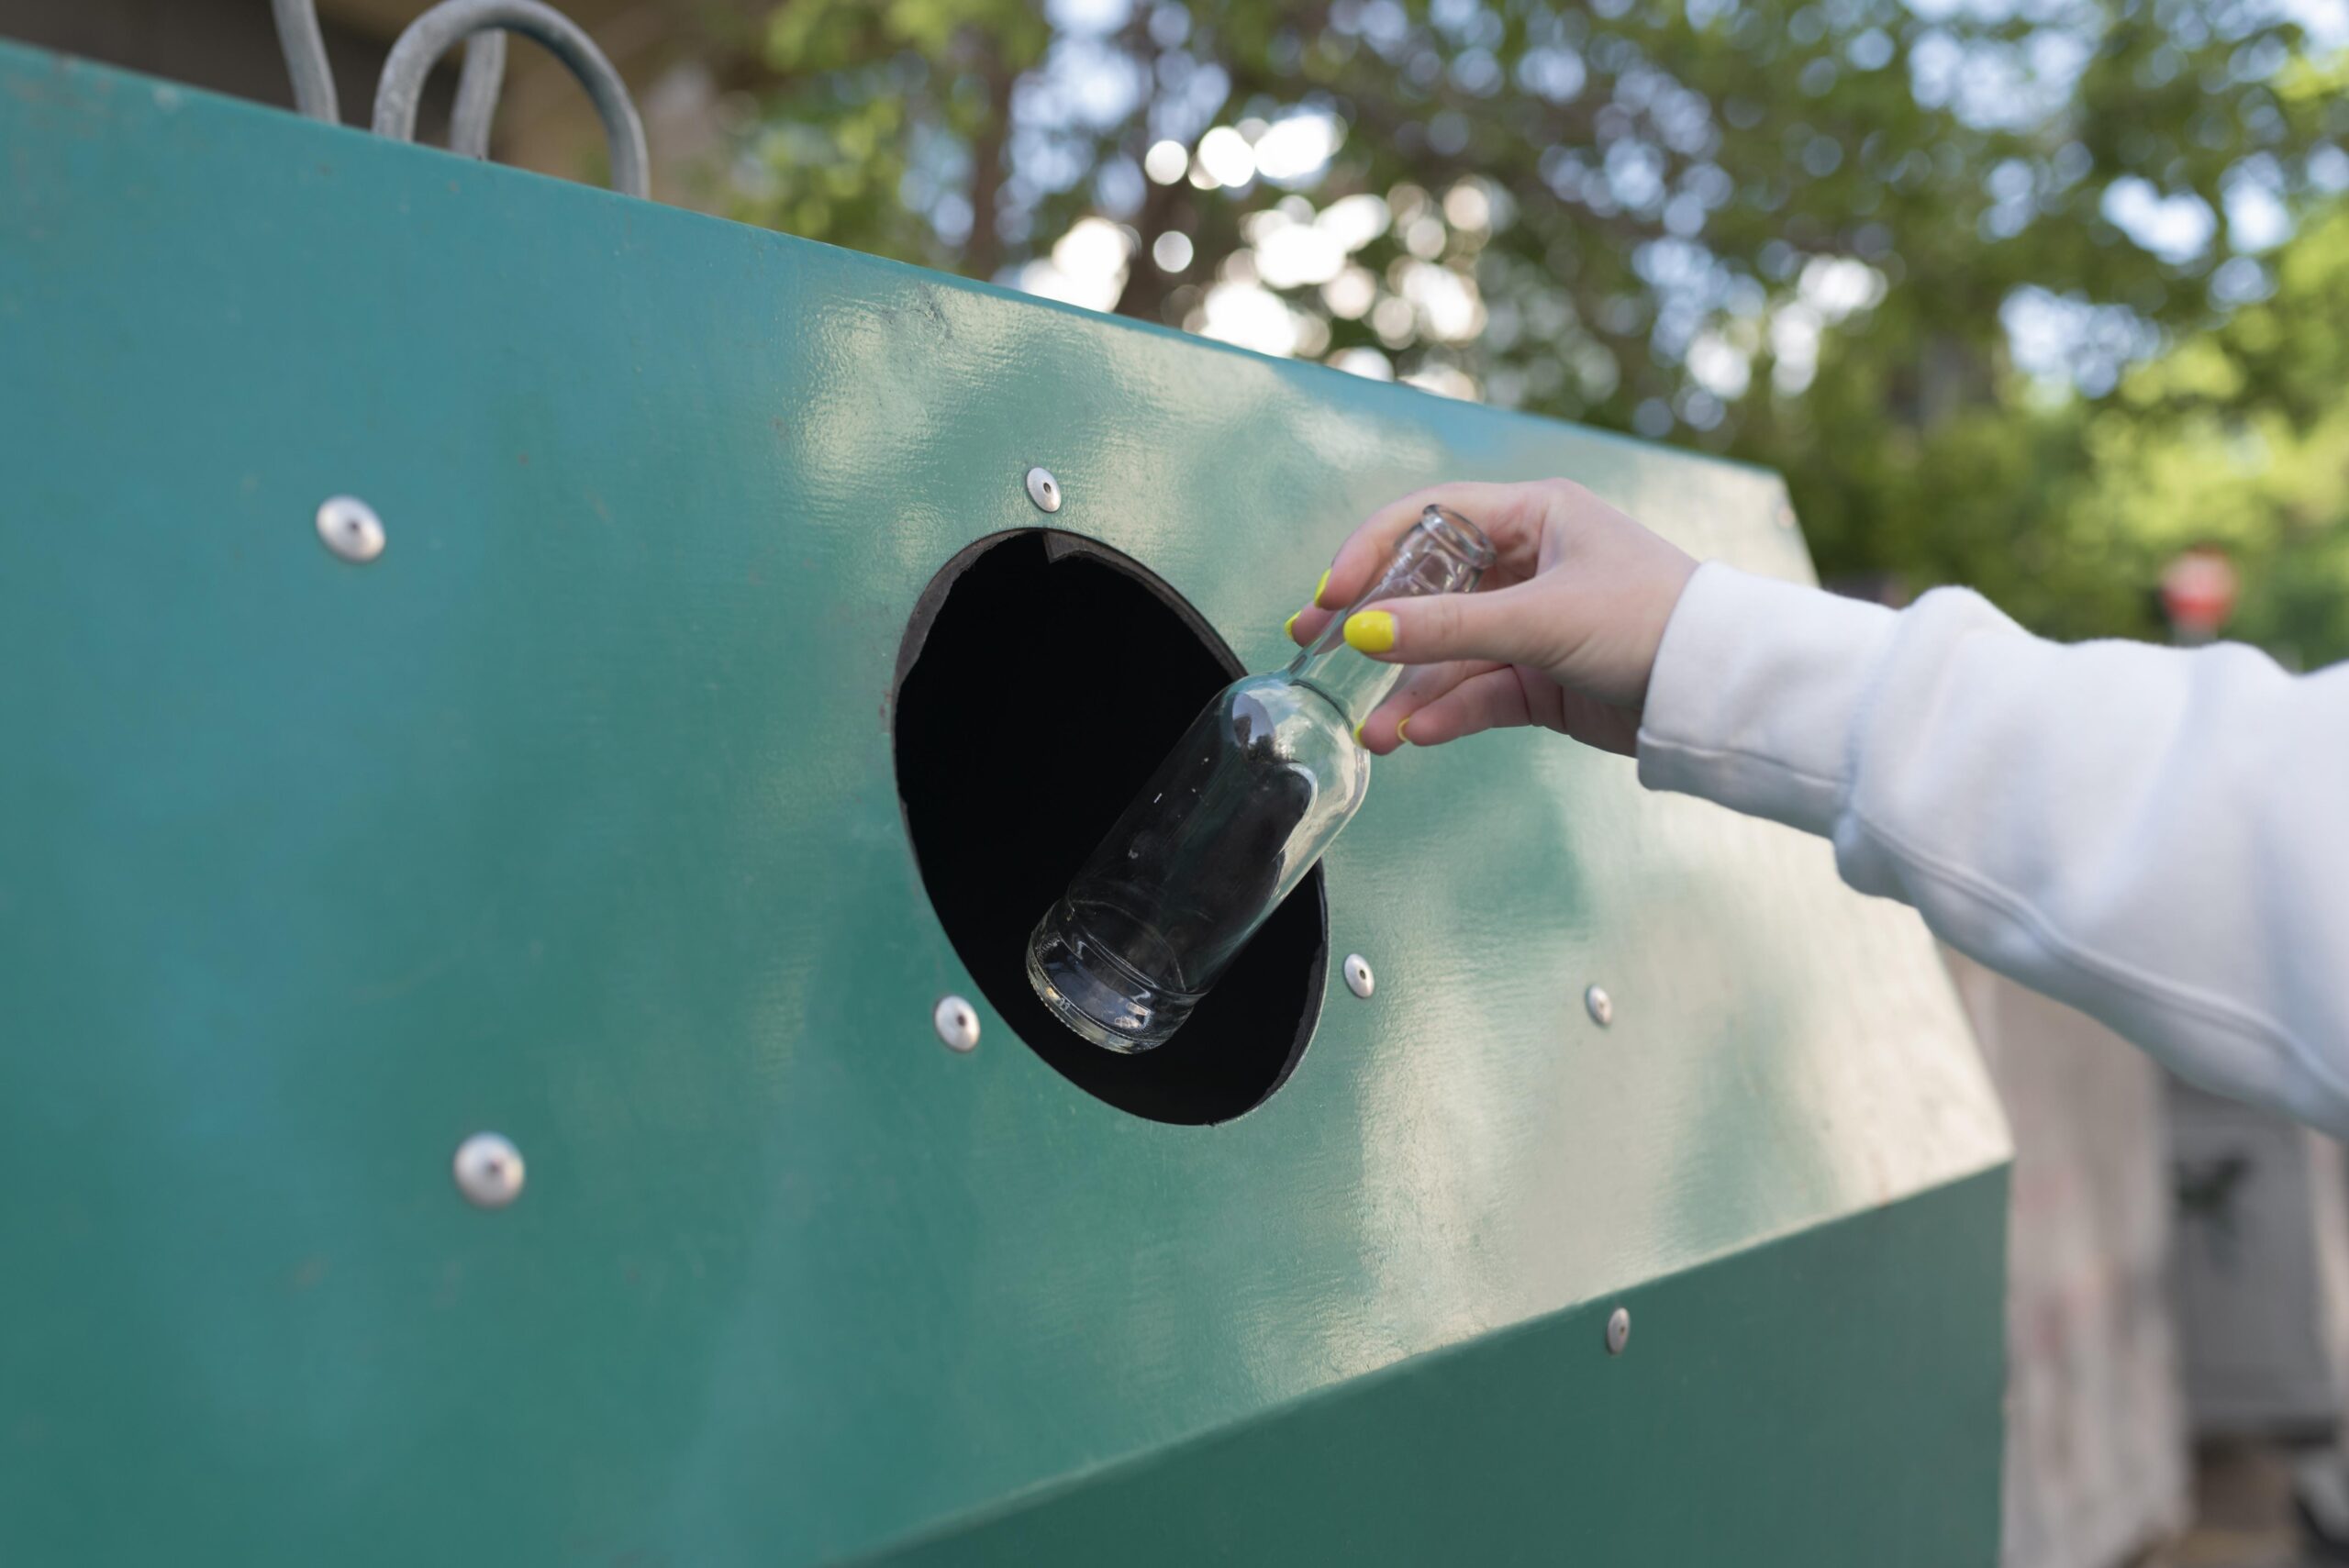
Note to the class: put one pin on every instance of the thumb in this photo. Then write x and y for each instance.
(1506, 625)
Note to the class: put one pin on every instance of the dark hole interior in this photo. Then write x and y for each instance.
(1041, 679)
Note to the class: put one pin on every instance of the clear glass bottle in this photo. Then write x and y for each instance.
(1230, 822)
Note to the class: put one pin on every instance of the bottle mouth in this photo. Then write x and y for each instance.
(1458, 537)
(1443, 554)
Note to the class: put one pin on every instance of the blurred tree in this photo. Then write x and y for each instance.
(1906, 252)
(2238, 437)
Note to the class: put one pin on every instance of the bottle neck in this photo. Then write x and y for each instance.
(1443, 554)
(1352, 683)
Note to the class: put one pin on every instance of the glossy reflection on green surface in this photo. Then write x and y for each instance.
(573, 816)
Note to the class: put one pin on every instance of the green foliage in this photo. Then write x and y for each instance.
(1781, 229)
(2065, 511)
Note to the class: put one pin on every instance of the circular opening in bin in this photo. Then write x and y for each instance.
(1041, 680)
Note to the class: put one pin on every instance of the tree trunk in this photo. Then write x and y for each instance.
(983, 253)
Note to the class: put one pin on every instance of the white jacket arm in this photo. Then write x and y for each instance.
(2158, 837)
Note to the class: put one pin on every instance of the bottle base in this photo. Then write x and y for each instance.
(1100, 996)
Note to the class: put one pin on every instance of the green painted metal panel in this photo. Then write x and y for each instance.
(574, 816)
(1787, 1405)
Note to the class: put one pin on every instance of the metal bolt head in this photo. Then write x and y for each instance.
(1359, 979)
(957, 1023)
(1043, 489)
(350, 527)
(489, 1170)
(1600, 1005)
(1618, 1330)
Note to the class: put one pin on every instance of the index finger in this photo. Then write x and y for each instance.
(1509, 515)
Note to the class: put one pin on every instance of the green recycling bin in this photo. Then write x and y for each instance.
(533, 728)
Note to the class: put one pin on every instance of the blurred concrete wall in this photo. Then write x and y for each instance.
(544, 121)
(2097, 1463)
(228, 46)
(2262, 1271)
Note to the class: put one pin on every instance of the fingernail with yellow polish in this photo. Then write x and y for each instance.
(1288, 627)
(1358, 740)
(1372, 631)
(1400, 726)
(1318, 586)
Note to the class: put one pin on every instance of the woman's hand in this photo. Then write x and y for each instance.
(1562, 632)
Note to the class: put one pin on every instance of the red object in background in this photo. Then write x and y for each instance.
(2198, 593)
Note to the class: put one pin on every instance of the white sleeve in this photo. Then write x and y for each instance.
(2156, 836)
